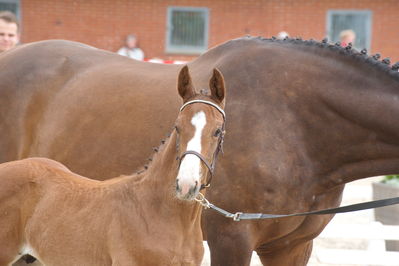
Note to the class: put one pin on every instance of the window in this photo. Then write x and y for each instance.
(356, 20)
(10, 5)
(187, 30)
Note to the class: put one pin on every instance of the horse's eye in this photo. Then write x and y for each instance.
(217, 132)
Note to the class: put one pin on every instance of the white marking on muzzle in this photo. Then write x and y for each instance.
(190, 168)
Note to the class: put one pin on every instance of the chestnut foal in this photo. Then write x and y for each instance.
(149, 218)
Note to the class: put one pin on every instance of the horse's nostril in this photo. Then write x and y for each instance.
(177, 185)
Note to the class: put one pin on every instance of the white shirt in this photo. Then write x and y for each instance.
(135, 53)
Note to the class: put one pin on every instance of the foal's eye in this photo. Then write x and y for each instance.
(217, 132)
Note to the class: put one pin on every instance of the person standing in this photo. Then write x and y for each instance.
(282, 35)
(131, 49)
(9, 31)
(346, 37)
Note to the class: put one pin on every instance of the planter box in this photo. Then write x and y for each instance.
(387, 215)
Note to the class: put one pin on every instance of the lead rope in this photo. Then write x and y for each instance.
(256, 216)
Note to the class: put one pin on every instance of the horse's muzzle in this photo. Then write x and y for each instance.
(186, 191)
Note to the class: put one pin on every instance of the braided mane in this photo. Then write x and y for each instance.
(348, 51)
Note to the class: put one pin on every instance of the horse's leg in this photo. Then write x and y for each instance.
(297, 255)
(10, 237)
(230, 250)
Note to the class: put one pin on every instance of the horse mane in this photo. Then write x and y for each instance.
(383, 65)
(156, 151)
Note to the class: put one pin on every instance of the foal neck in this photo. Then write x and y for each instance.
(160, 175)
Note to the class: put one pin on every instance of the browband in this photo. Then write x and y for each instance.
(206, 102)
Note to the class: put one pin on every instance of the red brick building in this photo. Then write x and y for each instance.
(182, 29)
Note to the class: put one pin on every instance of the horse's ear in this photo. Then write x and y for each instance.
(185, 85)
(216, 84)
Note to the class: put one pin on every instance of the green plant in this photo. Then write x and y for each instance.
(391, 179)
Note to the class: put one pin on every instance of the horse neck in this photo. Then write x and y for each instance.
(347, 113)
(154, 189)
(332, 114)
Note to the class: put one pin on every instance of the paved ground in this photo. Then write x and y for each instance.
(355, 192)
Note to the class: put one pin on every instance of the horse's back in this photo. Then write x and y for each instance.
(15, 174)
(18, 182)
(30, 76)
(47, 86)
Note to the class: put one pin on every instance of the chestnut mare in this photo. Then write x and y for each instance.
(305, 118)
(62, 218)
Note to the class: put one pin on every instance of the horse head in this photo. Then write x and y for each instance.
(200, 131)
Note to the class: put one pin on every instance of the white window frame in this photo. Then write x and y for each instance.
(368, 13)
(183, 49)
(18, 13)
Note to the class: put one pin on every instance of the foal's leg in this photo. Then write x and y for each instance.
(10, 235)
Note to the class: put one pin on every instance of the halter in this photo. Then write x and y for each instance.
(211, 166)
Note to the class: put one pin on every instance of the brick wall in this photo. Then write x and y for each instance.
(105, 23)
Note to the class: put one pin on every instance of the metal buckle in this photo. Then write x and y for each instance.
(236, 216)
(207, 185)
(202, 200)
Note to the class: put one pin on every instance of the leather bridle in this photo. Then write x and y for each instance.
(211, 166)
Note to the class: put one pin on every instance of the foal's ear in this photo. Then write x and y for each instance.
(185, 85)
(216, 84)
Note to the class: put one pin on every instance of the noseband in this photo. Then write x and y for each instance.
(211, 166)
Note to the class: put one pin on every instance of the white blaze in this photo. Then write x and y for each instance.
(190, 168)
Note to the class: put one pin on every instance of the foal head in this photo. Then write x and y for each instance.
(200, 130)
